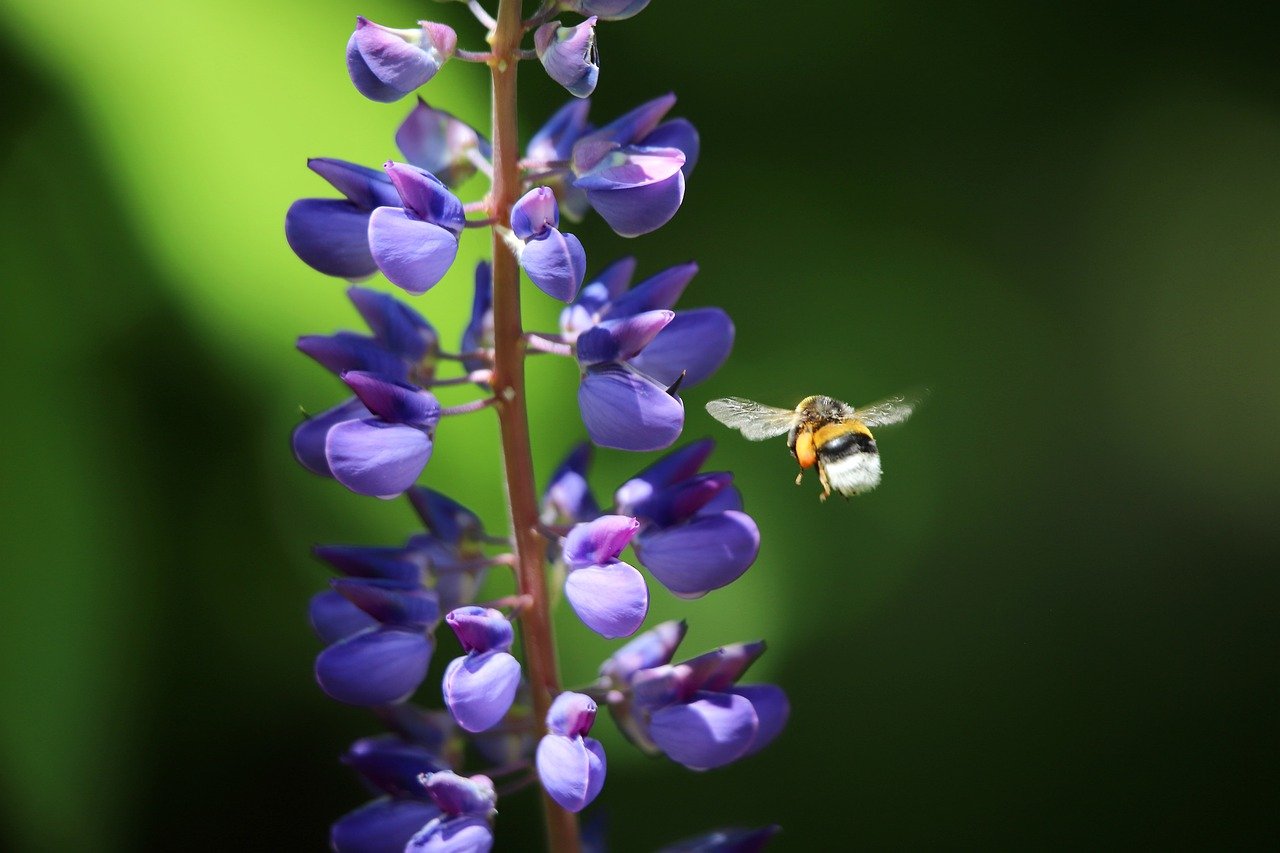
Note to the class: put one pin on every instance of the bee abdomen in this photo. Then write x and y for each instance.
(849, 457)
(849, 442)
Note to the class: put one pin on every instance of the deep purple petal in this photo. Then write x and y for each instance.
(397, 402)
(638, 210)
(479, 688)
(570, 771)
(610, 599)
(726, 499)
(397, 327)
(711, 731)
(599, 540)
(718, 669)
(677, 503)
(676, 133)
(772, 709)
(391, 602)
(395, 564)
(571, 714)
(310, 435)
(412, 254)
(555, 139)
(382, 826)
(331, 236)
(654, 647)
(556, 263)
(455, 835)
(694, 344)
(366, 188)
(426, 197)
(376, 458)
(628, 411)
(461, 795)
(700, 555)
(679, 464)
(658, 291)
(349, 351)
(392, 764)
(447, 519)
(732, 840)
(481, 629)
(439, 142)
(535, 213)
(479, 331)
(619, 340)
(379, 667)
(334, 618)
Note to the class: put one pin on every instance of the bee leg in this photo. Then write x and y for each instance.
(822, 477)
(799, 476)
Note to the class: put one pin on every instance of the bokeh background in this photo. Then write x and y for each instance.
(1055, 623)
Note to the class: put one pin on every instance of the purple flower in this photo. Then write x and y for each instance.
(441, 143)
(480, 687)
(331, 235)
(392, 764)
(567, 498)
(608, 595)
(415, 244)
(554, 261)
(571, 765)
(381, 826)
(553, 143)
(378, 666)
(404, 345)
(466, 808)
(386, 64)
(609, 10)
(733, 840)
(569, 54)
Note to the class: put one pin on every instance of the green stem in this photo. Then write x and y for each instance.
(508, 385)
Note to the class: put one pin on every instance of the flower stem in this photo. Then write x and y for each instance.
(508, 385)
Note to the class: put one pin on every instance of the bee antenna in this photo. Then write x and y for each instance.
(675, 386)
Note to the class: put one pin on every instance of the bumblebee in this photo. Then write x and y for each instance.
(821, 431)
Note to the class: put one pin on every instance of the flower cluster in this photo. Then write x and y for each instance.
(633, 351)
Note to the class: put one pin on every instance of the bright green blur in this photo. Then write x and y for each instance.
(1053, 624)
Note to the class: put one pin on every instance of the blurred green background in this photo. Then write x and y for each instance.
(1053, 625)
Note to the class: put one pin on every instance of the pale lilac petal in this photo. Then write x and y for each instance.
(331, 236)
(376, 458)
(599, 540)
(479, 689)
(623, 168)
(379, 667)
(333, 618)
(634, 211)
(453, 835)
(656, 292)
(309, 436)
(382, 826)
(772, 709)
(535, 213)
(571, 714)
(556, 263)
(676, 133)
(700, 555)
(628, 411)
(711, 731)
(611, 600)
(366, 81)
(619, 340)
(385, 66)
(461, 795)
(412, 254)
(571, 773)
(694, 344)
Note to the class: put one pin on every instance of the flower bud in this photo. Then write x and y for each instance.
(607, 10)
(457, 795)
(535, 213)
(569, 54)
(441, 143)
(481, 629)
(571, 715)
(386, 64)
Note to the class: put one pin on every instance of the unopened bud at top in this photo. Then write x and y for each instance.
(570, 56)
(386, 64)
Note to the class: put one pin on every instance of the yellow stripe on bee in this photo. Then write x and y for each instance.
(830, 431)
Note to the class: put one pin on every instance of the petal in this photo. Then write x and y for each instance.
(382, 826)
(479, 331)
(569, 55)
(555, 139)
(412, 254)
(598, 541)
(694, 345)
(391, 602)
(628, 411)
(394, 58)
(772, 709)
(732, 840)
(654, 647)
(447, 519)
(535, 213)
(571, 714)
(677, 133)
(675, 504)
(726, 499)
(349, 351)
(397, 402)
(479, 688)
(397, 327)
(711, 731)
(481, 629)
(566, 768)
(556, 263)
(310, 435)
(366, 188)
(330, 236)
(396, 564)
(568, 498)
(700, 555)
(334, 618)
(611, 599)
(379, 667)
(623, 168)
(376, 458)
(659, 291)
(365, 80)
(426, 197)
(597, 766)
(634, 211)
(719, 668)
(679, 464)
(455, 835)
(392, 764)
(437, 141)
(619, 340)
(636, 124)
(608, 10)
(461, 795)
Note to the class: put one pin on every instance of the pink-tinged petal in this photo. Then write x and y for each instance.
(654, 647)
(398, 402)
(711, 731)
(309, 436)
(425, 196)
(772, 709)
(376, 458)
(676, 133)
(598, 541)
(481, 629)
(638, 210)
(379, 667)
(658, 291)
(381, 826)
(611, 599)
(330, 236)
(556, 263)
(479, 689)
(333, 618)
(703, 554)
(625, 410)
(439, 142)
(569, 771)
(412, 254)
(535, 213)
(453, 835)
(571, 714)
(623, 168)
(620, 340)
(694, 345)
(680, 464)
(461, 795)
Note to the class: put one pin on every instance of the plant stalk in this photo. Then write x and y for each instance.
(509, 388)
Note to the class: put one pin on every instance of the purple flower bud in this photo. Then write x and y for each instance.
(378, 667)
(712, 730)
(598, 541)
(608, 10)
(535, 213)
(380, 826)
(621, 340)
(703, 554)
(481, 629)
(333, 618)
(733, 840)
(624, 409)
(391, 602)
(452, 835)
(458, 795)
(392, 764)
(569, 54)
(568, 498)
(437, 141)
(331, 235)
(399, 328)
(309, 436)
(414, 246)
(397, 402)
(479, 688)
(571, 765)
(386, 64)
(571, 715)
(654, 647)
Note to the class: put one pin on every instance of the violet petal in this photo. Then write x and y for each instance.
(627, 410)
(700, 555)
(376, 458)
(378, 667)
(479, 688)
(710, 731)
(610, 599)
(411, 253)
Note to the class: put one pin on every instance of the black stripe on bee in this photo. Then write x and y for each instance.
(846, 444)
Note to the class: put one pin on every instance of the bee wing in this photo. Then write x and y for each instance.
(754, 420)
(893, 410)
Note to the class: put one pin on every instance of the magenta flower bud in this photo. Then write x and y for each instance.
(570, 765)
(535, 213)
(481, 629)
(386, 64)
(571, 715)
(608, 10)
(555, 262)
(569, 54)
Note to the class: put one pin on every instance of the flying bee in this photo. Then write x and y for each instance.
(821, 431)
